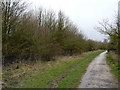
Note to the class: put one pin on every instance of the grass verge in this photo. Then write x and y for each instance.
(52, 74)
(73, 80)
(113, 62)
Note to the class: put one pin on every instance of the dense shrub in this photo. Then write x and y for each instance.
(39, 35)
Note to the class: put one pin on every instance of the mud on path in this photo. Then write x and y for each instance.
(98, 75)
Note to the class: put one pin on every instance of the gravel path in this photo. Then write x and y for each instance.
(98, 75)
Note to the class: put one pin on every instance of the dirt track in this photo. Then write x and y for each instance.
(98, 75)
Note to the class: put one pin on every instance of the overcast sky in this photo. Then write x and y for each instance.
(84, 13)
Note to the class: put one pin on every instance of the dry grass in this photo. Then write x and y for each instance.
(112, 59)
(114, 55)
(25, 68)
(68, 58)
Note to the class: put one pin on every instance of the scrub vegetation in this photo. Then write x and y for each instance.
(30, 37)
(40, 35)
(112, 59)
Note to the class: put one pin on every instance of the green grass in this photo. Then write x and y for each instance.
(66, 75)
(115, 68)
(57, 74)
(73, 80)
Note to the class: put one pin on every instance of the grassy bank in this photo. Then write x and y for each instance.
(52, 74)
(113, 62)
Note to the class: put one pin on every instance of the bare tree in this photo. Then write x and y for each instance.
(113, 31)
(11, 12)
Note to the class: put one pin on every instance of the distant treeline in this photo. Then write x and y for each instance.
(42, 35)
